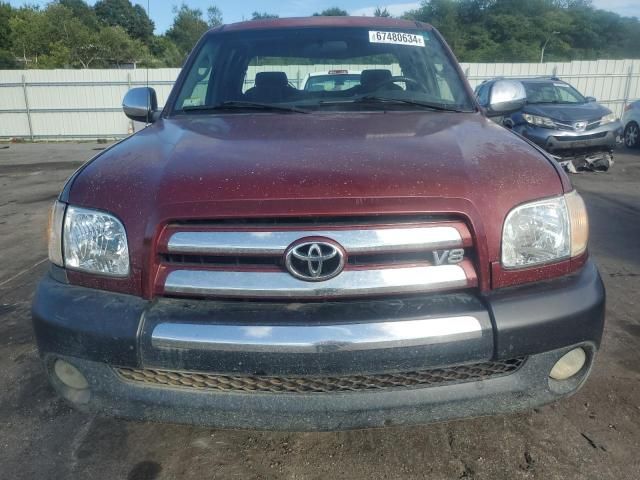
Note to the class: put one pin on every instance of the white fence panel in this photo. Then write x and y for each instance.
(58, 104)
(73, 103)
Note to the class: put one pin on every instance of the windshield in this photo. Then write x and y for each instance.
(295, 68)
(552, 92)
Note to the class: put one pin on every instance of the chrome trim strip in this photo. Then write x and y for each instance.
(353, 241)
(284, 285)
(315, 338)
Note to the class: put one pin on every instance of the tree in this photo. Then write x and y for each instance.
(72, 34)
(27, 34)
(381, 12)
(332, 12)
(165, 53)
(82, 12)
(263, 16)
(82, 44)
(6, 12)
(188, 26)
(215, 16)
(58, 56)
(124, 14)
(117, 48)
(7, 59)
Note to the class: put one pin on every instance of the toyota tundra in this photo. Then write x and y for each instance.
(268, 257)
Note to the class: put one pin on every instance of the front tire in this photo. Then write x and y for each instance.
(632, 135)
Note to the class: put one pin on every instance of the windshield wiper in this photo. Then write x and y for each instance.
(376, 99)
(240, 105)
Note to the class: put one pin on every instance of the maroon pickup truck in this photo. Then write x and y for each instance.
(268, 257)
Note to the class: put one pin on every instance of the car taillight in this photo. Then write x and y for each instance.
(627, 108)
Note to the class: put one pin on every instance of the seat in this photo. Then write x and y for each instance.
(270, 87)
(372, 79)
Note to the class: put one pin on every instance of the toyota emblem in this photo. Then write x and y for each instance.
(580, 126)
(314, 261)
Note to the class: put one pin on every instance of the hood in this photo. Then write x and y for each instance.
(568, 113)
(250, 165)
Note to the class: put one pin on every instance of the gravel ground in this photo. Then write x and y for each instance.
(592, 435)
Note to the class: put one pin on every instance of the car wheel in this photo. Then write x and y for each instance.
(632, 135)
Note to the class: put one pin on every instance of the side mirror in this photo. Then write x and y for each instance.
(590, 99)
(506, 96)
(141, 104)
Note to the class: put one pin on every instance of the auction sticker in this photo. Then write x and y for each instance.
(397, 38)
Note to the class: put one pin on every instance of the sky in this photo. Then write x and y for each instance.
(236, 10)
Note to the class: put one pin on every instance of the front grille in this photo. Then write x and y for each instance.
(348, 383)
(581, 137)
(571, 126)
(277, 261)
(380, 255)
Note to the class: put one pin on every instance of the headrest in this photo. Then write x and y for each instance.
(374, 77)
(271, 79)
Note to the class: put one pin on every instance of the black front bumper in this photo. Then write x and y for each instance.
(97, 331)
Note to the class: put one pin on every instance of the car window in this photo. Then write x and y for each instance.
(272, 67)
(552, 92)
(194, 91)
(483, 94)
(329, 83)
(568, 94)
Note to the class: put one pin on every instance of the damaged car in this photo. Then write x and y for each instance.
(580, 133)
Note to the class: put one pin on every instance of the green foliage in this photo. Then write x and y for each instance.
(262, 16)
(118, 48)
(28, 38)
(112, 33)
(124, 14)
(82, 12)
(516, 30)
(332, 12)
(215, 16)
(381, 12)
(188, 26)
(6, 12)
(164, 53)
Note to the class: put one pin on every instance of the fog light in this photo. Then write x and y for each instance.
(70, 376)
(570, 364)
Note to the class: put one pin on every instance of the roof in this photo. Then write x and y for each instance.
(542, 79)
(368, 22)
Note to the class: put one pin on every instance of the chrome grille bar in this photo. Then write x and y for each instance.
(353, 241)
(283, 285)
(315, 338)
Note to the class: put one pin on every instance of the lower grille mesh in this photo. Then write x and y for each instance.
(349, 383)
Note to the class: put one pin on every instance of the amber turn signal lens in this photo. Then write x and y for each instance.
(579, 221)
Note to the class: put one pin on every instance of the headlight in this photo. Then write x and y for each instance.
(545, 231)
(54, 232)
(538, 121)
(608, 119)
(95, 242)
